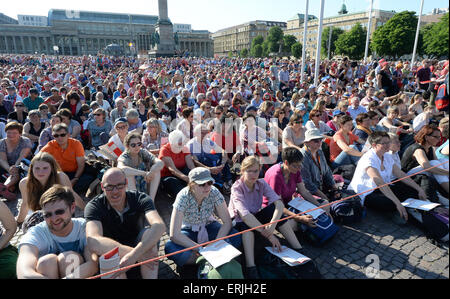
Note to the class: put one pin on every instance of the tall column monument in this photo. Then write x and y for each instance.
(165, 45)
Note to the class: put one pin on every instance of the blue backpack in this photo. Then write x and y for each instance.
(325, 230)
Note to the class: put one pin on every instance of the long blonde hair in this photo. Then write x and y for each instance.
(34, 188)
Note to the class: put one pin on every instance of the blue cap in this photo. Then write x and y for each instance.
(300, 107)
(156, 94)
(120, 120)
(336, 112)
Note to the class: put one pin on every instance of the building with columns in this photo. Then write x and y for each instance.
(88, 33)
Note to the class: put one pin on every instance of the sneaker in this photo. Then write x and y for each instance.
(252, 273)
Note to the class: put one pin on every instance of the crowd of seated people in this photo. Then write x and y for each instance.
(223, 137)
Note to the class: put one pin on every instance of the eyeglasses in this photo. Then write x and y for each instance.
(121, 127)
(58, 212)
(59, 135)
(217, 113)
(112, 187)
(207, 183)
(133, 145)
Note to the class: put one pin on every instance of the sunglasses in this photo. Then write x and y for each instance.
(59, 135)
(97, 114)
(112, 187)
(121, 127)
(58, 212)
(207, 183)
(282, 113)
(133, 145)
(316, 140)
(316, 115)
(297, 122)
(20, 105)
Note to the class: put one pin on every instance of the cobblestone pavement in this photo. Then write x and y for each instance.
(402, 252)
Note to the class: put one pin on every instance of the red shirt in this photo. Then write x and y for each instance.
(178, 159)
(335, 150)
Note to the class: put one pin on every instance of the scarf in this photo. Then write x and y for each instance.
(368, 131)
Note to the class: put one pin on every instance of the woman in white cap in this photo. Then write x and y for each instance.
(192, 222)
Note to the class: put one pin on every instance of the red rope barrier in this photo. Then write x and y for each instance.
(257, 227)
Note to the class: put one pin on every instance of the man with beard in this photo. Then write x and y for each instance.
(56, 248)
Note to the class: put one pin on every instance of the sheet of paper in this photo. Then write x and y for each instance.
(219, 253)
(419, 204)
(303, 206)
(289, 256)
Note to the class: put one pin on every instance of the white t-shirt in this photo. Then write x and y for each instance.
(361, 181)
(47, 243)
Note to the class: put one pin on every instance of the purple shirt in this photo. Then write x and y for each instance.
(274, 177)
(249, 202)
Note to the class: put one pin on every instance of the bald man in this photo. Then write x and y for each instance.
(124, 219)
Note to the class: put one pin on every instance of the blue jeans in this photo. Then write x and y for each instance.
(213, 229)
(344, 159)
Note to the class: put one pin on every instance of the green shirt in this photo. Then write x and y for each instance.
(33, 104)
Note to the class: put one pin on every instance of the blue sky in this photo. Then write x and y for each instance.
(213, 15)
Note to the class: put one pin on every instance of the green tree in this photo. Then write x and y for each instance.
(296, 50)
(288, 41)
(352, 43)
(325, 39)
(435, 38)
(243, 53)
(257, 51)
(230, 54)
(274, 38)
(256, 47)
(396, 37)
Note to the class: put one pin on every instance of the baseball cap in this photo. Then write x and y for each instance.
(155, 94)
(200, 175)
(300, 107)
(313, 134)
(120, 120)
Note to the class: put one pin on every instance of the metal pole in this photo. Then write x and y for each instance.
(417, 35)
(329, 42)
(369, 25)
(305, 29)
(319, 40)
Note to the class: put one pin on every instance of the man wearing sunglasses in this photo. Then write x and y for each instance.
(124, 219)
(56, 248)
(69, 153)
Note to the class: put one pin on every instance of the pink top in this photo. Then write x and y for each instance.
(274, 177)
(249, 202)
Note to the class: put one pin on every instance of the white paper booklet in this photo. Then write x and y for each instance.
(303, 206)
(219, 253)
(289, 256)
(419, 204)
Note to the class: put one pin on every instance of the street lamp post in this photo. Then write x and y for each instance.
(417, 36)
(305, 28)
(319, 41)
(366, 51)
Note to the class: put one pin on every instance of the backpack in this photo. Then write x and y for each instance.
(442, 100)
(348, 211)
(230, 270)
(433, 222)
(324, 231)
(271, 267)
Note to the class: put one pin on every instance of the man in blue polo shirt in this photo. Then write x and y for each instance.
(34, 100)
